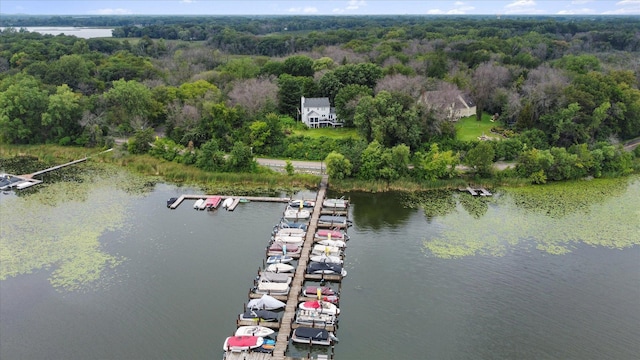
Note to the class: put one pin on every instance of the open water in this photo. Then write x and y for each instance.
(184, 276)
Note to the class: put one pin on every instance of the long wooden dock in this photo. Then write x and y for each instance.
(287, 322)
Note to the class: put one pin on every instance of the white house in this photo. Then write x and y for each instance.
(318, 113)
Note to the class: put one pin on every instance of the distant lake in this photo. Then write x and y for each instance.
(81, 32)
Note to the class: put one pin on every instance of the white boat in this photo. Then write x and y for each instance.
(313, 318)
(307, 335)
(320, 306)
(327, 259)
(242, 343)
(326, 250)
(198, 204)
(291, 232)
(335, 203)
(272, 288)
(255, 330)
(266, 277)
(277, 259)
(296, 214)
(266, 302)
(289, 239)
(280, 268)
(227, 202)
(335, 243)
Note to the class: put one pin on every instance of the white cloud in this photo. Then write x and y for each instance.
(109, 11)
(351, 6)
(305, 10)
(187, 1)
(625, 7)
(521, 4)
(583, 11)
(435, 12)
(580, 2)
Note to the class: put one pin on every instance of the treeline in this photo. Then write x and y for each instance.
(551, 83)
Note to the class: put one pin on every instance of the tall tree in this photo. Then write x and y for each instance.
(22, 102)
(487, 77)
(128, 100)
(61, 119)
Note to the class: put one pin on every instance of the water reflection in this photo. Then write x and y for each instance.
(377, 211)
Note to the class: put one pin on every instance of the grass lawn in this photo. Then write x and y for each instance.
(339, 133)
(470, 129)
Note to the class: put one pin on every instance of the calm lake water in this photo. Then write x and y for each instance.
(179, 279)
(85, 33)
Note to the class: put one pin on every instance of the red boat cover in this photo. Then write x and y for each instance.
(334, 234)
(315, 304)
(242, 341)
(279, 246)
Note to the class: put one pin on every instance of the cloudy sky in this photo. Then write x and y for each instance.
(320, 7)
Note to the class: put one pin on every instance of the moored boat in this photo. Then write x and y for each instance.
(242, 343)
(212, 202)
(259, 315)
(255, 330)
(334, 220)
(326, 268)
(335, 203)
(284, 249)
(266, 302)
(314, 318)
(272, 288)
(326, 258)
(198, 204)
(307, 335)
(227, 202)
(277, 259)
(313, 291)
(290, 232)
(326, 250)
(335, 243)
(320, 306)
(331, 234)
(280, 268)
(305, 203)
(171, 201)
(296, 214)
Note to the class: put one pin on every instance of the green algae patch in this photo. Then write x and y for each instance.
(553, 219)
(58, 226)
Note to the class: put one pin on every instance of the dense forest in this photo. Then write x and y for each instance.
(563, 91)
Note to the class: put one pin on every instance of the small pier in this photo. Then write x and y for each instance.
(224, 197)
(476, 191)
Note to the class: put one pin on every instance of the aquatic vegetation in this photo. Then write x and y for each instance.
(552, 219)
(58, 226)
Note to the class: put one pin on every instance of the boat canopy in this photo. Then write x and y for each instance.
(266, 302)
(312, 333)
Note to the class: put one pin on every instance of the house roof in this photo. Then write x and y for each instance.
(316, 102)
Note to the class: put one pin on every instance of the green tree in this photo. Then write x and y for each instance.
(259, 136)
(22, 102)
(61, 119)
(210, 157)
(436, 164)
(480, 158)
(290, 90)
(288, 168)
(299, 65)
(72, 70)
(241, 158)
(141, 141)
(346, 101)
(129, 100)
(338, 167)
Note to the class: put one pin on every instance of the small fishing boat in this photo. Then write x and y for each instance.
(326, 268)
(198, 204)
(296, 214)
(259, 315)
(266, 302)
(227, 202)
(335, 243)
(280, 268)
(326, 258)
(171, 201)
(255, 330)
(335, 203)
(242, 343)
(314, 318)
(243, 200)
(320, 306)
(279, 259)
(307, 335)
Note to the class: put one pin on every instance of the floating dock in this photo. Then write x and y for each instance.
(476, 191)
(287, 322)
(224, 197)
